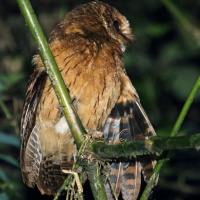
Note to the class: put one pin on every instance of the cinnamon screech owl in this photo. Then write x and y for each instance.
(88, 48)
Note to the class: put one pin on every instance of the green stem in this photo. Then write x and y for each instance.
(96, 182)
(174, 132)
(185, 108)
(73, 120)
(155, 144)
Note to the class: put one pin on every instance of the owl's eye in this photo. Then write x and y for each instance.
(117, 25)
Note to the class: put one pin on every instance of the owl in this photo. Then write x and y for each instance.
(88, 47)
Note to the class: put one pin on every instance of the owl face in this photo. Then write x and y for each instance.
(99, 21)
(116, 25)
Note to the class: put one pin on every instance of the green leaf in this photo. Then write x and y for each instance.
(3, 176)
(9, 80)
(9, 160)
(9, 139)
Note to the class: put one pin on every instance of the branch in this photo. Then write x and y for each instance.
(94, 175)
(174, 132)
(153, 145)
(72, 118)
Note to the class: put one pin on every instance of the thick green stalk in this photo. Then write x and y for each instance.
(174, 131)
(155, 144)
(73, 120)
(94, 176)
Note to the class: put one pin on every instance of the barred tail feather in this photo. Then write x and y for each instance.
(131, 180)
(116, 177)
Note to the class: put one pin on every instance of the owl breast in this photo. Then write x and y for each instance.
(91, 74)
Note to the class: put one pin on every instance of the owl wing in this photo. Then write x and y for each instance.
(128, 121)
(39, 167)
(30, 155)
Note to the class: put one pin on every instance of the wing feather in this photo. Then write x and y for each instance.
(128, 121)
(131, 180)
(30, 155)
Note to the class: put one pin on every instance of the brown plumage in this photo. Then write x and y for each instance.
(88, 48)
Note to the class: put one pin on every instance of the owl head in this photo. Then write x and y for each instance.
(98, 21)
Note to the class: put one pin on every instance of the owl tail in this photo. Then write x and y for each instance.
(128, 121)
(125, 177)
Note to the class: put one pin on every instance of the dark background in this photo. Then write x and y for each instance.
(163, 64)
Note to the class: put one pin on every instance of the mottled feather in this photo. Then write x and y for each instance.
(30, 155)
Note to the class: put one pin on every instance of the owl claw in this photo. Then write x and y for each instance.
(95, 134)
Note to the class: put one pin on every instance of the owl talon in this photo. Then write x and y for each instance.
(95, 134)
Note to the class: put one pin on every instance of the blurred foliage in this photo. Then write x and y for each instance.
(163, 64)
